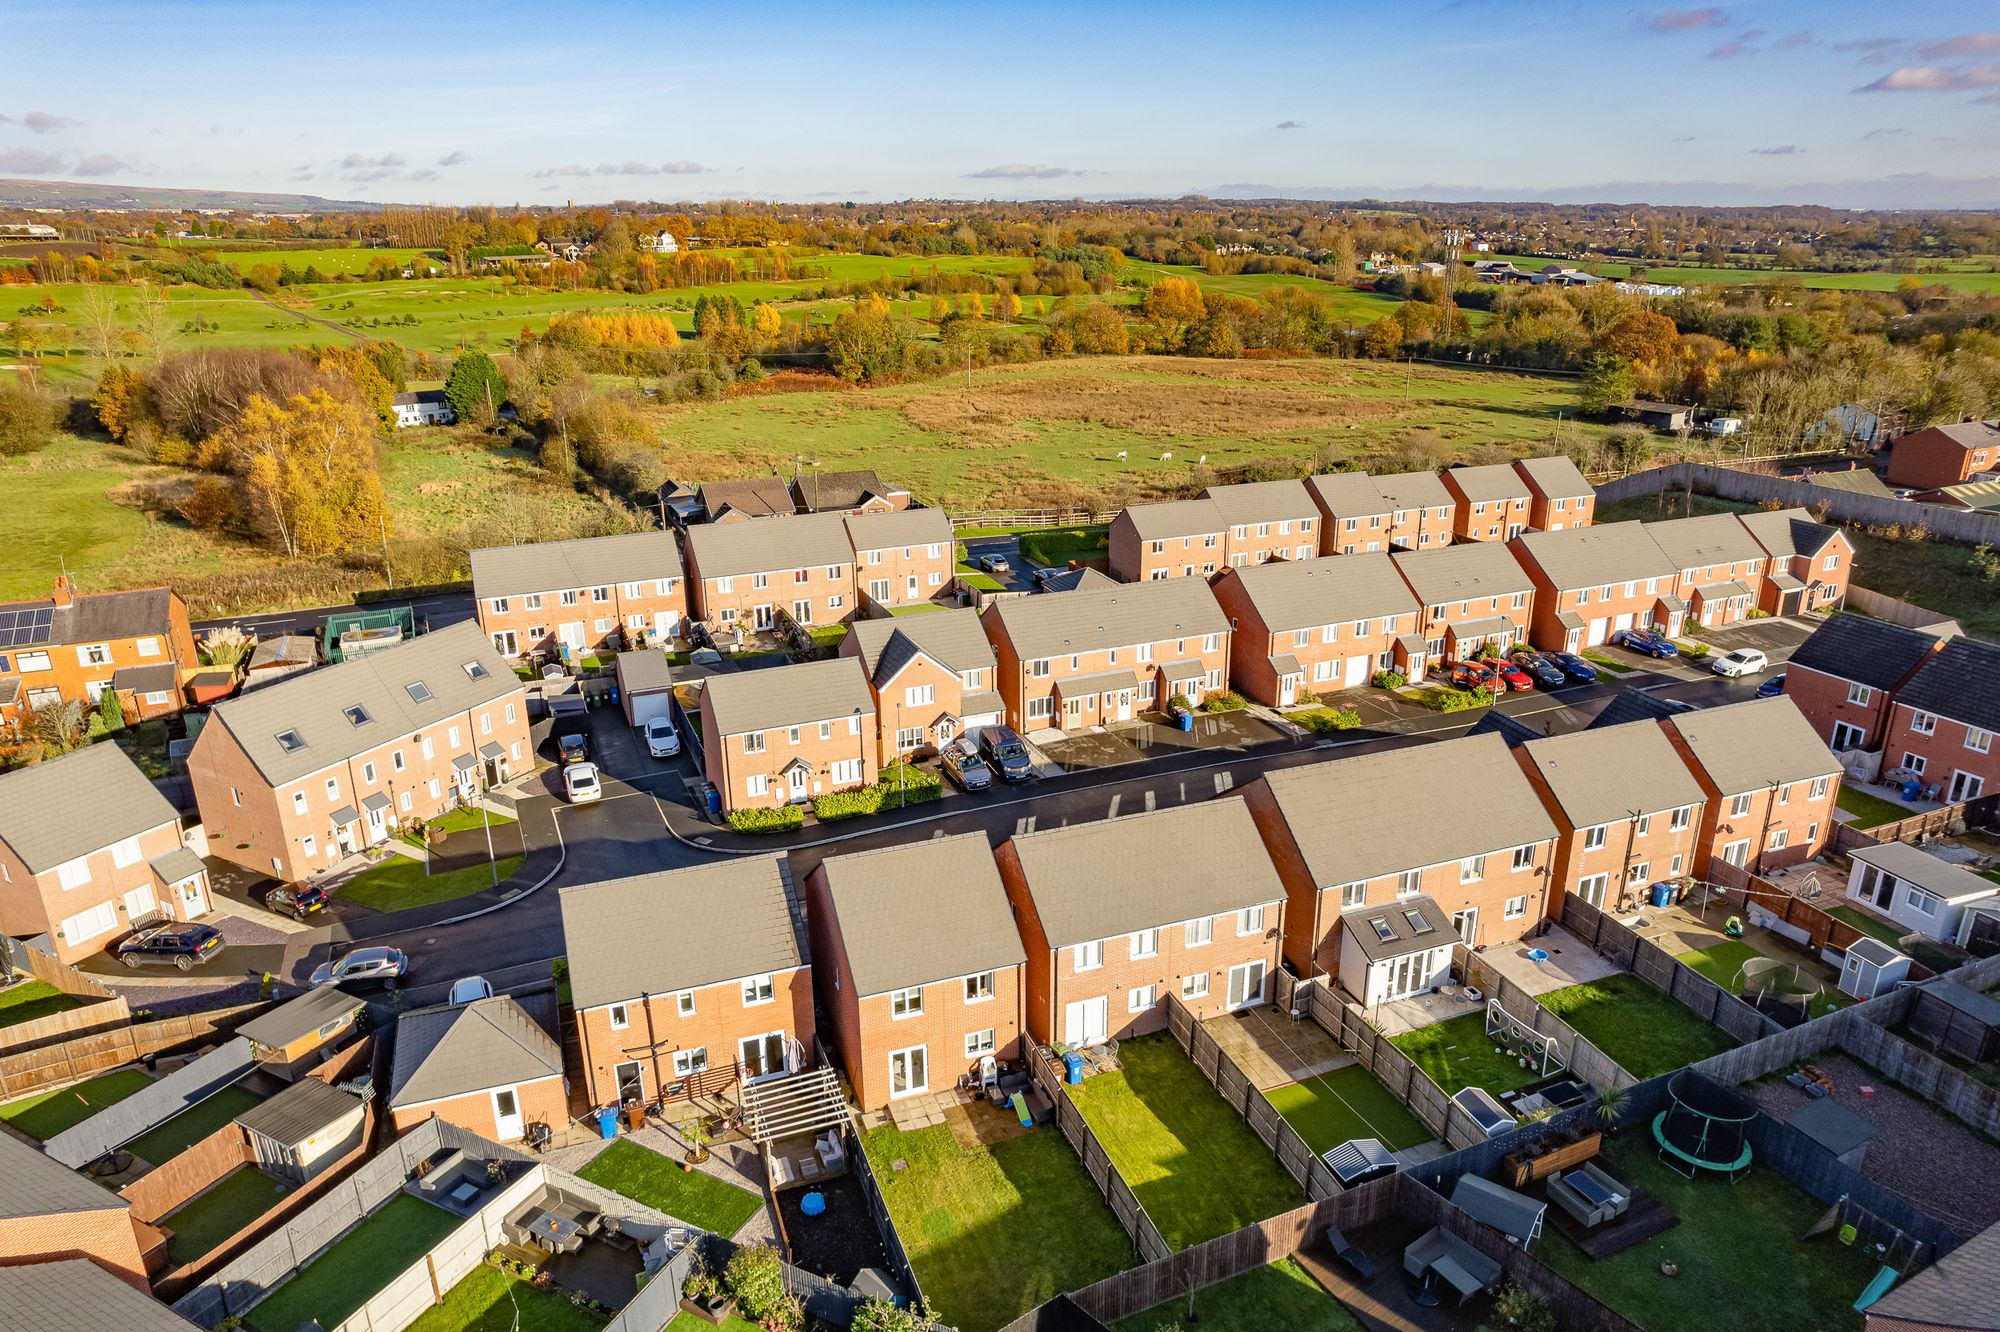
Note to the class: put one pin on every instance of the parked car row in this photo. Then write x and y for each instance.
(1521, 670)
(1646, 642)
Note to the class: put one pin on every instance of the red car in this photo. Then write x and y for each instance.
(1476, 675)
(1516, 678)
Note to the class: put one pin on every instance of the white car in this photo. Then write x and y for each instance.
(469, 989)
(580, 783)
(1743, 661)
(662, 740)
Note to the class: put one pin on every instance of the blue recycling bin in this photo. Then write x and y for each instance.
(1072, 1068)
(714, 803)
(1185, 720)
(607, 1122)
(1663, 894)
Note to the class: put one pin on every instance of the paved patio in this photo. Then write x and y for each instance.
(1273, 1050)
(1424, 1010)
(1571, 961)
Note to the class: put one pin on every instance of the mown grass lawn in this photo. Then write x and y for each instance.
(1331, 1108)
(1278, 1298)
(33, 999)
(699, 1199)
(1195, 1165)
(218, 1212)
(1644, 1031)
(1870, 810)
(1459, 1054)
(400, 882)
(995, 1230)
(163, 1142)
(489, 1300)
(332, 1286)
(46, 1114)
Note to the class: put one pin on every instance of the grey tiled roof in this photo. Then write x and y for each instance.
(550, 566)
(812, 691)
(100, 616)
(903, 527)
(1960, 1290)
(1175, 518)
(456, 1049)
(1115, 876)
(1414, 490)
(951, 637)
(922, 911)
(1633, 704)
(1088, 620)
(1971, 434)
(1608, 775)
(1961, 682)
(314, 703)
(1349, 494)
(1263, 501)
(1416, 925)
(158, 678)
(768, 545)
(1786, 532)
(1870, 652)
(76, 1295)
(1555, 476)
(757, 496)
(1709, 539)
(1336, 589)
(299, 1111)
(1593, 556)
(1449, 574)
(644, 668)
(85, 801)
(1496, 481)
(817, 490)
(679, 929)
(32, 1184)
(1745, 747)
(1354, 818)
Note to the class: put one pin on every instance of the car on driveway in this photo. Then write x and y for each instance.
(171, 945)
(1516, 678)
(364, 965)
(1575, 667)
(994, 564)
(573, 748)
(1007, 752)
(1644, 642)
(297, 900)
(469, 989)
(1772, 687)
(964, 766)
(1547, 674)
(662, 740)
(581, 783)
(1476, 675)
(1743, 661)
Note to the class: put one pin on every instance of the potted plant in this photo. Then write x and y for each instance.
(696, 1134)
(704, 1296)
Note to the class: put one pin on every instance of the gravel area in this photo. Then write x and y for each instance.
(1921, 1153)
(242, 932)
(172, 1001)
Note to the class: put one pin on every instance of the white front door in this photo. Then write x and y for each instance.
(1466, 922)
(1246, 985)
(762, 1056)
(343, 837)
(909, 1071)
(139, 903)
(912, 589)
(570, 634)
(797, 778)
(193, 902)
(1124, 705)
(1087, 1021)
(1288, 690)
(1964, 786)
(946, 729)
(1357, 672)
(378, 830)
(507, 1120)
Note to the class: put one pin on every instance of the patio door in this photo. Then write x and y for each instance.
(1736, 853)
(507, 1120)
(762, 1056)
(761, 617)
(1964, 786)
(1246, 985)
(1405, 976)
(504, 643)
(1591, 889)
(1087, 1021)
(909, 1071)
(1876, 888)
(1846, 735)
(571, 634)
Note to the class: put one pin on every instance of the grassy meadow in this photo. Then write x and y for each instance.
(1689, 275)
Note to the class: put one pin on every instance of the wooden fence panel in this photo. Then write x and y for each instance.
(70, 1061)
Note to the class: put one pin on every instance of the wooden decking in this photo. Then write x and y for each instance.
(1645, 1218)
(1385, 1303)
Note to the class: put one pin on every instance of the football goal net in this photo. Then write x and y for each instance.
(1521, 1041)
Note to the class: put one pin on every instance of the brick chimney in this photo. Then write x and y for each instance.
(64, 593)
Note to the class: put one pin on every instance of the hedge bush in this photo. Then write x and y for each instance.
(1458, 700)
(782, 819)
(1226, 701)
(897, 785)
(1322, 720)
(1390, 679)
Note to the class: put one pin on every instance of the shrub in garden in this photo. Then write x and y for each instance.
(756, 1278)
(1226, 701)
(783, 819)
(1458, 700)
(1324, 720)
(1390, 679)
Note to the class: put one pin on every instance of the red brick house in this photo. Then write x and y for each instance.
(1844, 678)
(1809, 565)
(1945, 455)
(1472, 594)
(918, 960)
(1267, 520)
(1770, 783)
(1177, 539)
(1942, 721)
(1592, 581)
(595, 594)
(1559, 496)
(1721, 566)
(1119, 913)
(51, 1212)
(488, 1066)
(1317, 626)
(902, 557)
(1347, 834)
(747, 574)
(675, 997)
(1627, 810)
(72, 646)
(1355, 517)
(784, 735)
(932, 677)
(1493, 502)
(1422, 513)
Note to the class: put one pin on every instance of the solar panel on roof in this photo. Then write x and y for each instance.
(32, 625)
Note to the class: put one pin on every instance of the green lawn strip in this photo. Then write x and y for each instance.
(1873, 926)
(1643, 1030)
(1057, 546)
(1608, 663)
(466, 820)
(163, 1142)
(481, 1303)
(1735, 1243)
(688, 1322)
(1348, 1103)
(400, 882)
(995, 1231)
(1720, 962)
(1195, 1165)
(646, 1176)
(33, 999)
(1278, 1298)
(218, 1212)
(1459, 1054)
(1870, 811)
(921, 608)
(332, 1286)
(46, 1114)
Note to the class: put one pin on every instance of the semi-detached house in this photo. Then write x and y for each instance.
(932, 678)
(1355, 517)
(1423, 514)
(72, 646)
(293, 777)
(1316, 626)
(1844, 678)
(1267, 520)
(1721, 566)
(1079, 659)
(1347, 836)
(746, 574)
(1118, 914)
(89, 849)
(902, 557)
(1493, 502)
(1591, 582)
(1175, 539)
(1942, 723)
(784, 735)
(1473, 595)
(595, 594)
(918, 961)
(1810, 562)
(1559, 496)
(1770, 783)
(1627, 810)
(688, 983)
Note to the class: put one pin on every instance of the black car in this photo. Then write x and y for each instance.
(574, 747)
(1007, 752)
(1575, 667)
(297, 900)
(173, 945)
(1547, 674)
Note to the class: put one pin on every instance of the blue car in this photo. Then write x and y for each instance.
(1645, 643)
(1546, 673)
(1575, 667)
(1772, 687)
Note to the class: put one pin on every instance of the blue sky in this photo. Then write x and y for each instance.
(1850, 104)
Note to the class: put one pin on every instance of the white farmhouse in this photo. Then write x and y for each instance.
(423, 408)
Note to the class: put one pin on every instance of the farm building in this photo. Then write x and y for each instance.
(425, 407)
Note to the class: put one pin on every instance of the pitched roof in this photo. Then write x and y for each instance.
(550, 566)
(102, 616)
(1750, 745)
(455, 1049)
(1980, 495)
(312, 706)
(76, 1295)
(301, 1110)
(1969, 434)
(1858, 481)
(1263, 501)
(33, 1184)
(1710, 539)
(1078, 578)
(1495, 481)
(1175, 518)
(810, 691)
(644, 669)
(1115, 876)
(1786, 532)
(53, 812)
(662, 932)
(766, 545)
(1633, 704)
(1353, 818)
(1606, 776)
(1593, 556)
(1414, 925)
(1961, 682)
(1911, 864)
(1302, 594)
(1349, 494)
(1460, 573)
(1414, 490)
(280, 1026)
(818, 491)
(293, 649)
(922, 911)
(1870, 652)
(1509, 728)
(1960, 1290)
(1092, 618)
(1555, 476)
(757, 496)
(953, 638)
(901, 527)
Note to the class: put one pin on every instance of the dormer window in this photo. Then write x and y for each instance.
(418, 691)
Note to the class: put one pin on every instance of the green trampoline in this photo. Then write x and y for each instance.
(1704, 1128)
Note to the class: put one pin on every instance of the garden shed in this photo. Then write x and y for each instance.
(1957, 1021)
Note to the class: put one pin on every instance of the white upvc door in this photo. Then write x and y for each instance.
(1246, 985)
(193, 901)
(1087, 1021)
(762, 1056)
(507, 1118)
(1964, 786)
(1124, 705)
(1288, 690)
(1591, 889)
(797, 778)
(909, 1071)
(378, 829)
(667, 624)
(1736, 853)
(762, 617)
(505, 643)
(1357, 671)
(570, 633)
(1466, 923)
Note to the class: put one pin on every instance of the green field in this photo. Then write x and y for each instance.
(1694, 274)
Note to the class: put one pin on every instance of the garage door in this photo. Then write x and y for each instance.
(1598, 629)
(1624, 622)
(1357, 672)
(645, 707)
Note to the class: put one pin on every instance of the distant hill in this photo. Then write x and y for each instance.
(75, 194)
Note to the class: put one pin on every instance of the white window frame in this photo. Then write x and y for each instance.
(1194, 985)
(1087, 956)
(759, 990)
(1141, 997)
(906, 1003)
(1145, 943)
(1198, 933)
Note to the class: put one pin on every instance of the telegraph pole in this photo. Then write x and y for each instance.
(1453, 238)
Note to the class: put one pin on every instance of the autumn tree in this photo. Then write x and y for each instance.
(119, 399)
(102, 327)
(309, 472)
(57, 727)
(866, 342)
(475, 388)
(1007, 307)
(27, 419)
(1175, 305)
(153, 317)
(766, 322)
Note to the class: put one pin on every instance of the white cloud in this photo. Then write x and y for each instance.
(1023, 171)
(30, 161)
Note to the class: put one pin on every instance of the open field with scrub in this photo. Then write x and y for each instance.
(1693, 274)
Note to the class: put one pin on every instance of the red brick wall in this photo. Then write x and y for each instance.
(524, 620)
(1944, 751)
(107, 1236)
(720, 1021)
(1133, 559)
(897, 564)
(1930, 458)
(727, 765)
(544, 1100)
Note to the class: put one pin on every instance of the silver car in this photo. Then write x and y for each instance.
(363, 964)
(964, 766)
